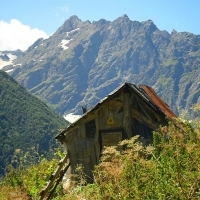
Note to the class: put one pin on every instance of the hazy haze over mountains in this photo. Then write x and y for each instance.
(83, 61)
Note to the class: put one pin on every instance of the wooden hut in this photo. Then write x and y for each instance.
(128, 111)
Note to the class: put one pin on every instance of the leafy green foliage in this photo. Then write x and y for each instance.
(31, 178)
(170, 169)
(25, 122)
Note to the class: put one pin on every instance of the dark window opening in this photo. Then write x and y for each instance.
(90, 129)
(145, 132)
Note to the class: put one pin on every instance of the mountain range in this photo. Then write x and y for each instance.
(84, 61)
(26, 123)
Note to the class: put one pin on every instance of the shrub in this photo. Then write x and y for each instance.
(29, 178)
(170, 169)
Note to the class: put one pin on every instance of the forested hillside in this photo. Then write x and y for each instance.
(26, 123)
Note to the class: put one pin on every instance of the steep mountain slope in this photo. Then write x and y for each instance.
(25, 121)
(83, 61)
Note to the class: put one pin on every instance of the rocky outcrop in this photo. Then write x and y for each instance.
(84, 61)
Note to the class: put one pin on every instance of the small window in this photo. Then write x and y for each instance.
(90, 129)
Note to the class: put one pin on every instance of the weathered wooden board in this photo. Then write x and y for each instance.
(84, 152)
(142, 118)
(111, 138)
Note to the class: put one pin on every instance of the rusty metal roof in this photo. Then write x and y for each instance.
(145, 92)
(158, 101)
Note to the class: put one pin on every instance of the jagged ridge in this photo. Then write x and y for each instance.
(84, 61)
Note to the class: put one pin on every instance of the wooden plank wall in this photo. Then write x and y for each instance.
(83, 150)
(117, 112)
(112, 109)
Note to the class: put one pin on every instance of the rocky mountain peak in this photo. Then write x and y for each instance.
(74, 19)
(123, 19)
(70, 24)
(100, 22)
(82, 62)
(149, 26)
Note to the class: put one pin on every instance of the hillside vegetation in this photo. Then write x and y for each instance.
(169, 169)
(26, 123)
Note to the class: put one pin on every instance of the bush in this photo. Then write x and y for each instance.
(28, 178)
(169, 169)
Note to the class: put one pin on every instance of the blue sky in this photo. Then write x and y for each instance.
(40, 18)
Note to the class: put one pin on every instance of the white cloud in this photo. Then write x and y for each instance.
(15, 35)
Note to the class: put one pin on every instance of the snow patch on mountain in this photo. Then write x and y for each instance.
(20, 64)
(64, 43)
(71, 117)
(68, 33)
(4, 63)
(10, 70)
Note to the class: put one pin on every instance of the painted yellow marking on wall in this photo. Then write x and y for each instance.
(110, 121)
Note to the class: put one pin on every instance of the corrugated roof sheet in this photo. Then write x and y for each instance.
(158, 101)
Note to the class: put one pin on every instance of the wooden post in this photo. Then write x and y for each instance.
(56, 175)
(62, 173)
(127, 119)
